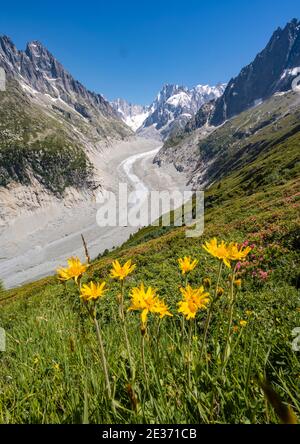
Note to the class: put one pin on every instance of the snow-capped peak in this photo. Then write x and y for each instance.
(180, 99)
(173, 106)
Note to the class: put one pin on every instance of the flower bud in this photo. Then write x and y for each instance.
(206, 282)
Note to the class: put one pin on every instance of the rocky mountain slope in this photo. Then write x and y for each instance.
(272, 70)
(50, 126)
(258, 96)
(208, 154)
(253, 134)
(38, 71)
(173, 107)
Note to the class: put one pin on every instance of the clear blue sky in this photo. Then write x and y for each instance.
(131, 48)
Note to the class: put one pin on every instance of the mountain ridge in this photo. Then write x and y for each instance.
(271, 73)
(266, 74)
(51, 127)
(37, 67)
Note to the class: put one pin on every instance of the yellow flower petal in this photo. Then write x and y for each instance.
(193, 301)
(144, 315)
(186, 264)
(92, 291)
(121, 272)
(147, 301)
(74, 271)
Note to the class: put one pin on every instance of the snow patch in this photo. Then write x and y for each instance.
(28, 88)
(290, 72)
(180, 99)
(135, 122)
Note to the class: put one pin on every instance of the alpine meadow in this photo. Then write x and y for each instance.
(145, 324)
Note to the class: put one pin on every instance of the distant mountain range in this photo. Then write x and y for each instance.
(173, 107)
(51, 126)
(178, 108)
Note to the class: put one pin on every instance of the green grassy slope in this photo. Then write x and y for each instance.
(51, 370)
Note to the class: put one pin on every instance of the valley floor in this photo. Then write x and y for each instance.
(35, 244)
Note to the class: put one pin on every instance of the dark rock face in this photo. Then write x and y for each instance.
(37, 68)
(202, 117)
(273, 70)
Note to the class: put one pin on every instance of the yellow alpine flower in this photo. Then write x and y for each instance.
(238, 282)
(92, 291)
(121, 272)
(236, 252)
(243, 323)
(219, 251)
(187, 264)
(162, 309)
(147, 301)
(64, 274)
(56, 366)
(193, 301)
(74, 271)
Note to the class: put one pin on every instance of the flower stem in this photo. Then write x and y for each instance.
(104, 362)
(183, 318)
(93, 315)
(210, 311)
(231, 309)
(143, 359)
(190, 352)
(123, 320)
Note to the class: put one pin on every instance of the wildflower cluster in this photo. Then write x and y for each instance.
(146, 301)
(260, 262)
(227, 252)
